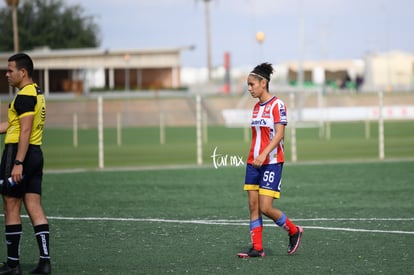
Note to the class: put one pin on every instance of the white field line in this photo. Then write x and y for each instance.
(246, 222)
(358, 230)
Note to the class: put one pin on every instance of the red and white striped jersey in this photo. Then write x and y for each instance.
(264, 117)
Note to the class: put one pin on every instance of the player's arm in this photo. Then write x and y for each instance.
(3, 127)
(279, 135)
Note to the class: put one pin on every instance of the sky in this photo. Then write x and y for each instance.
(332, 29)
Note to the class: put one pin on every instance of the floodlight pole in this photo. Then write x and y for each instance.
(260, 37)
(300, 79)
(208, 37)
(301, 49)
(13, 4)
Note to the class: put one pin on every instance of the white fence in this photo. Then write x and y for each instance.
(241, 117)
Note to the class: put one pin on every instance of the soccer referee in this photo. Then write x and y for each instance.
(21, 167)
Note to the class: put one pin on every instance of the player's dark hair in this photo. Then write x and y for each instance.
(23, 61)
(263, 71)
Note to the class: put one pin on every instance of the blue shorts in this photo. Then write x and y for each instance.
(266, 179)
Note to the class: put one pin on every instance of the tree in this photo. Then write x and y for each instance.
(48, 23)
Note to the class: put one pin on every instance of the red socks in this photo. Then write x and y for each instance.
(287, 224)
(292, 229)
(256, 229)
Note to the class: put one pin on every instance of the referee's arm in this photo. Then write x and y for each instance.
(3, 127)
(26, 123)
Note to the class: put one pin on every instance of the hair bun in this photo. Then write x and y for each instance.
(265, 70)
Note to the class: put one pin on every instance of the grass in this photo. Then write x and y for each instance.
(149, 216)
(141, 146)
(358, 219)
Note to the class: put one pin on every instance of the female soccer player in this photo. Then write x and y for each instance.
(265, 163)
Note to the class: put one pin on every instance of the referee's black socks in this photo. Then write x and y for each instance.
(42, 237)
(13, 235)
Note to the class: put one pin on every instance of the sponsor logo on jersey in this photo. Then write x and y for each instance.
(282, 112)
(258, 122)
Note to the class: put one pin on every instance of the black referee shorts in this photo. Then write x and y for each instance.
(32, 171)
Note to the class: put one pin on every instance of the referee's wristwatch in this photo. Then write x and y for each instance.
(18, 162)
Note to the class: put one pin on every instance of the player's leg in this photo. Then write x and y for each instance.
(269, 190)
(13, 233)
(281, 220)
(256, 228)
(256, 222)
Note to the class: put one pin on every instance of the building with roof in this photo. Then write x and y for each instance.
(389, 71)
(82, 70)
(386, 71)
(325, 71)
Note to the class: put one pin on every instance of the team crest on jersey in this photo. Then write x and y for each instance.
(266, 111)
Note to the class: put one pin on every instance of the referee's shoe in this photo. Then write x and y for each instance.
(43, 267)
(6, 269)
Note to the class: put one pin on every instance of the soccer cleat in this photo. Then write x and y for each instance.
(6, 269)
(294, 241)
(43, 267)
(251, 253)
